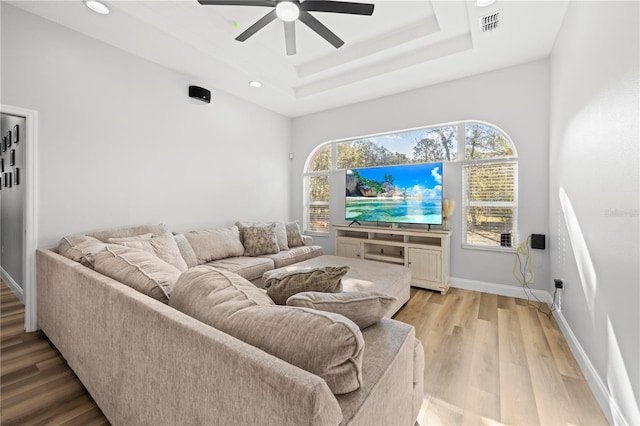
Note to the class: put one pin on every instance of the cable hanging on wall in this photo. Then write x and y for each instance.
(523, 273)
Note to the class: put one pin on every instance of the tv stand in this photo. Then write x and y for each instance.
(425, 252)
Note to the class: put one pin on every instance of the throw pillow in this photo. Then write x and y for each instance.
(365, 308)
(282, 285)
(80, 248)
(216, 243)
(281, 232)
(294, 236)
(325, 344)
(186, 251)
(260, 239)
(139, 270)
(164, 246)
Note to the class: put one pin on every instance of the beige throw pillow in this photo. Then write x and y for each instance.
(164, 246)
(260, 239)
(138, 269)
(294, 236)
(216, 243)
(281, 232)
(80, 248)
(365, 308)
(282, 285)
(326, 344)
(186, 251)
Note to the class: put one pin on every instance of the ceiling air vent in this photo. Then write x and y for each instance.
(491, 21)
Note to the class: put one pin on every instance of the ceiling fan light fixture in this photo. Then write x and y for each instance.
(97, 6)
(288, 11)
(484, 3)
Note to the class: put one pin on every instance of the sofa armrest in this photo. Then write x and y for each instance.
(308, 240)
(145, 363)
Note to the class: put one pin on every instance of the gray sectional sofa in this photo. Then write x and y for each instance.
(147, 363)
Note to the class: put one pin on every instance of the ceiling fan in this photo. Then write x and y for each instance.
(291, 10)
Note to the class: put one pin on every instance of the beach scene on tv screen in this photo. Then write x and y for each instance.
(396, 194)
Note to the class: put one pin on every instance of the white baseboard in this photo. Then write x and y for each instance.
(499, 289)
(13, 285)
(605, 400)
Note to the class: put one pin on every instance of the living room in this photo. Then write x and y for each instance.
(119, 142)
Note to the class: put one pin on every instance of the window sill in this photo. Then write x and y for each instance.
(316, 234)
(490, 248)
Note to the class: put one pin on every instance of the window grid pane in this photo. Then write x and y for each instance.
(490, 203)
(317, 203)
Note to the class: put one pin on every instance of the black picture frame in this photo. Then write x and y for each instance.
(12, 158)
(16, 133)
(4, 143)
(1, 165)
(1, 181)
(4, 180)
(9, 139)
(10, 180)
(16, 176)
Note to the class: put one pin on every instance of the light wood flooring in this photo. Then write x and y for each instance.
(488, 360)
(496, 360)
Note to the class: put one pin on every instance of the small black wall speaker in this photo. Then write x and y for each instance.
(200, 93)
(537, 241)
(505, 240)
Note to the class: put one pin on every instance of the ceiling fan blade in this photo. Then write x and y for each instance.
(257, 26)
(337, 7)
(270, 3)
(319, 28)
(290, 37)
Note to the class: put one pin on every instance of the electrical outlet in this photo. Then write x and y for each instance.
(559, 283)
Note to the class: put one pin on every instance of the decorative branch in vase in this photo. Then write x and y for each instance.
(447, 211)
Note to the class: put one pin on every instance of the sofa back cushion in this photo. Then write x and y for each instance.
(80, 248)
(281, 285)
(140, 270)
(164, 246)
(129, 231)
(326, 344)
(186, 251)
(216, 243)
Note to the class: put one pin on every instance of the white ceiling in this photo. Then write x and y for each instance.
(404, 45)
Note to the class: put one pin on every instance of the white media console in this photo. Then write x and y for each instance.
(426, 253)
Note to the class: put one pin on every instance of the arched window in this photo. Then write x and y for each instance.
(489, 168)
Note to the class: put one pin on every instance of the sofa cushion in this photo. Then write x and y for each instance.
(328, 345)
(294, 255)
(164, 246)
(215, 243)
(138, 269)
(260, 239)
(250, 268)
(129, 231)
(80, 248)
(294, 236)
(281, 285)
(186, 251)
(364, 308)
(281, 232)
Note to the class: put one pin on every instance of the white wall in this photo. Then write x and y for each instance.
(514, 99)
(121, 143)
(594, 191)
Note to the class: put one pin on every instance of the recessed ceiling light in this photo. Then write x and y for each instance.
(287, 11)
(97, 6)
(255, 83)
(484, 3)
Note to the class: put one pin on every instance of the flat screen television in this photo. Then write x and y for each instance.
(408, 193)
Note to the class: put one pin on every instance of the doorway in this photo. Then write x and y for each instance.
(18, 213)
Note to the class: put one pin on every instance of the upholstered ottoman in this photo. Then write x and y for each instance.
(363, 275)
